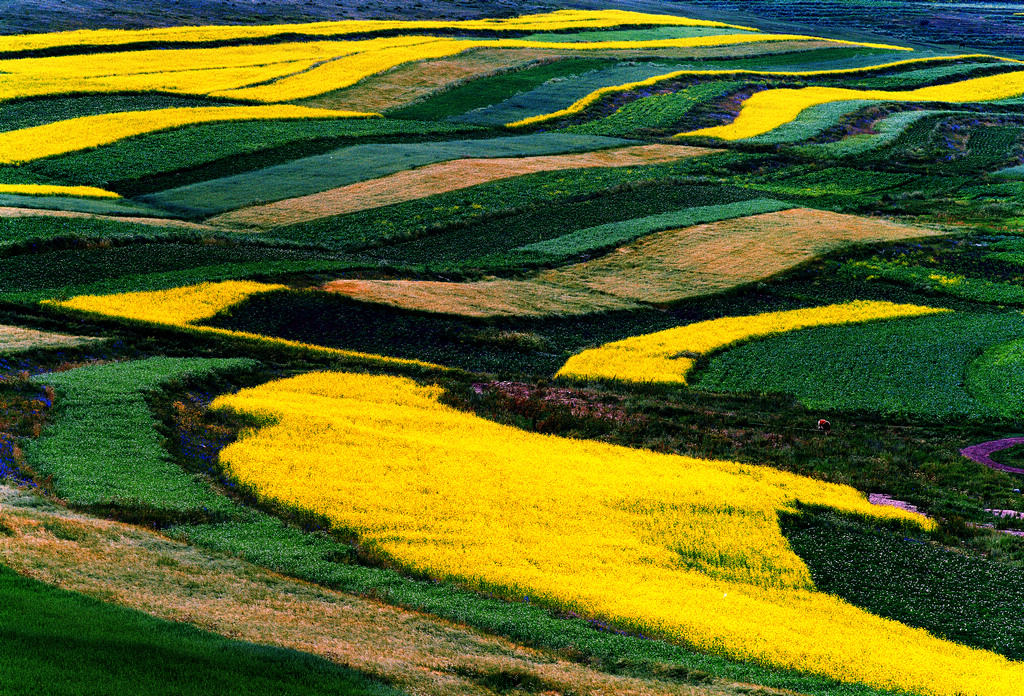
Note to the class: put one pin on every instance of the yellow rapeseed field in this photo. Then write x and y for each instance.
(85, 132)
(686, 549)
(50, 190)
(595, 96)
(550, 21)
(668, 356)
(185, 306)
(283, 72)
(767, 110)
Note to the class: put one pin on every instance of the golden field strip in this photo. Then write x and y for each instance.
(418, 653)
(551, 21)
(598, 94)
(767, 110)
(51, 190)
(442, 177)
(659, 268)
(84, 132)
(666, 545)
(297, 70)
(667, 357)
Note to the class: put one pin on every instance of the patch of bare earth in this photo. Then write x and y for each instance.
(441, 178)
(11, 212)
(659, 268)
(14, 339)
(706, 259)
(411, 81)
(142, 570)
(488, 298)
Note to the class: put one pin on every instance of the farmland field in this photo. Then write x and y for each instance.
(452, 348)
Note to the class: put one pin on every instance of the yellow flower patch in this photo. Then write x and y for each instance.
(681, 548)
(767, 110)
(48, 190)
(550, 21)
(668, 356)
(85, 132)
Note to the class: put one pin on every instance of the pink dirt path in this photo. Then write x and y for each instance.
(981, 453)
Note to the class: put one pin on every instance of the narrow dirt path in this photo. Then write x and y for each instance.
(982, 452)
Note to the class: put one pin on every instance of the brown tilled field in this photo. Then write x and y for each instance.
(488, 298)
(442, 178)
(718, 256)
(659, 268)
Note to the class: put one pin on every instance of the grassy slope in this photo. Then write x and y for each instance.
(65, 644)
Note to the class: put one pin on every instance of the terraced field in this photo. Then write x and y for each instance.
(560, 351)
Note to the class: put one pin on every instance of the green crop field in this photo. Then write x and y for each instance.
(442, 348)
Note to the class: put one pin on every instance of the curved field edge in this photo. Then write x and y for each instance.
(266, 541)
(667, 357)
(911, 367)
(354, 410)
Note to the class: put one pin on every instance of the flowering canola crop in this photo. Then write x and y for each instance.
(185, 306)
(549, 21)
(681, 548)
(767, 110)
(598, 94)
(668, 356)
(84, 132)
(50, 190)
(282, 72)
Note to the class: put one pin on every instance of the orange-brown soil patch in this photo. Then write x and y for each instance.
(142, 570)
(442, 178)
(710, 258)
(411, 81)
(660, 268)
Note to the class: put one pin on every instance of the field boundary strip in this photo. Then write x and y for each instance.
(441, 177)
(599, 94)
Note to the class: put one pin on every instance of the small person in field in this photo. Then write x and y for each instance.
(824, 426)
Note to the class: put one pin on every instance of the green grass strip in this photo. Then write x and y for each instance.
(492, 89)
(62, 643)
(102, 448)
(996, 378)
(615, 233)
(655, 114)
